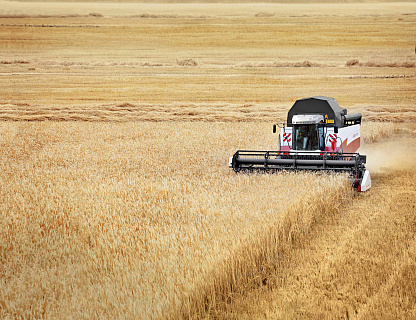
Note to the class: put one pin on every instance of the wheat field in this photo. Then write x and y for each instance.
(122, 220)
(117, 123)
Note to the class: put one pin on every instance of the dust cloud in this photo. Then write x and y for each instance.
(397, 153)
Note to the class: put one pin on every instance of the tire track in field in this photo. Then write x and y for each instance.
(359, 265)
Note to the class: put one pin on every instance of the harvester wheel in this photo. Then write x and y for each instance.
(356, 184)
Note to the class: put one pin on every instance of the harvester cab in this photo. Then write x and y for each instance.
(318, 135)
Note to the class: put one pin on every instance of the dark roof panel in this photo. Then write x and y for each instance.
(318, 105)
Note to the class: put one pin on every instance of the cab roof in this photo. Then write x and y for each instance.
(318, 105)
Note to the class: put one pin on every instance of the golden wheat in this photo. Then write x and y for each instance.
(359, 264)
(124, 220)
(375, 131)
(123, 206)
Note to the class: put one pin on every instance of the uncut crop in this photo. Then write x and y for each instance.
(129, 220)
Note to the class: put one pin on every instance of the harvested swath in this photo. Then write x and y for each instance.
(352, 62)
(264, 15)
(187, 62)
(406, 114)
(15, 61)
(380, 64)
(44, 16)
(99, 63)
(187, 112)
(124, 112)
(153, 16)
(275, 64)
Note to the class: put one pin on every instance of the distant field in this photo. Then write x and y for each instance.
(154, 57)
(117, 123)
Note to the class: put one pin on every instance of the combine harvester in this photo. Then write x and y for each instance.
(318, 135)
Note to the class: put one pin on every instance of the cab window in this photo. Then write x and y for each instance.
(306, 137)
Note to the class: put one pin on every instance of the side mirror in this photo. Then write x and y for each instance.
(274, 128)
(335, 129)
